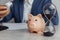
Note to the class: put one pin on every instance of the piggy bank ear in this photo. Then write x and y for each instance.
(30, 15)
(39, 15)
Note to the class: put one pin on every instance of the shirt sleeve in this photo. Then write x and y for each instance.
(1, 19)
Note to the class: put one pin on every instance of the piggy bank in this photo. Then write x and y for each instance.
(36, 24)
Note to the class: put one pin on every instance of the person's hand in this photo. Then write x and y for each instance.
(4, 11)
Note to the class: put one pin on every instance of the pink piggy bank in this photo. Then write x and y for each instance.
(36, 24)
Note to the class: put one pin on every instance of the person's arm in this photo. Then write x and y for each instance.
(8, 17)
(55, 19)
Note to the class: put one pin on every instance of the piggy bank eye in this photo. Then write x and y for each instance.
(35, 19)
(29, 19)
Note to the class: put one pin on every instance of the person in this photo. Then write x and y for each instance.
(21, 8)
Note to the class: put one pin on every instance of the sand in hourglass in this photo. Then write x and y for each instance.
(49, 16)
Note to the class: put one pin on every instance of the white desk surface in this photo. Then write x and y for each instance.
(23, 33)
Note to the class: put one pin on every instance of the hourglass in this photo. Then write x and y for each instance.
(7, 4)
(49, 11)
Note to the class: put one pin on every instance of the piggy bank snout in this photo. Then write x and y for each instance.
(32, 24)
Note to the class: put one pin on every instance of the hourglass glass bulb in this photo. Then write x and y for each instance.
(52, 6)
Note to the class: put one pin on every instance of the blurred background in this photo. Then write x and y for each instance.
(56, 2)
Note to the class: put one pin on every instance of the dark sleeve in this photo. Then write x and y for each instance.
(9, 16)
(55, 19)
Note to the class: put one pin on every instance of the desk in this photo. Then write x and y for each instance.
(23, 33)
